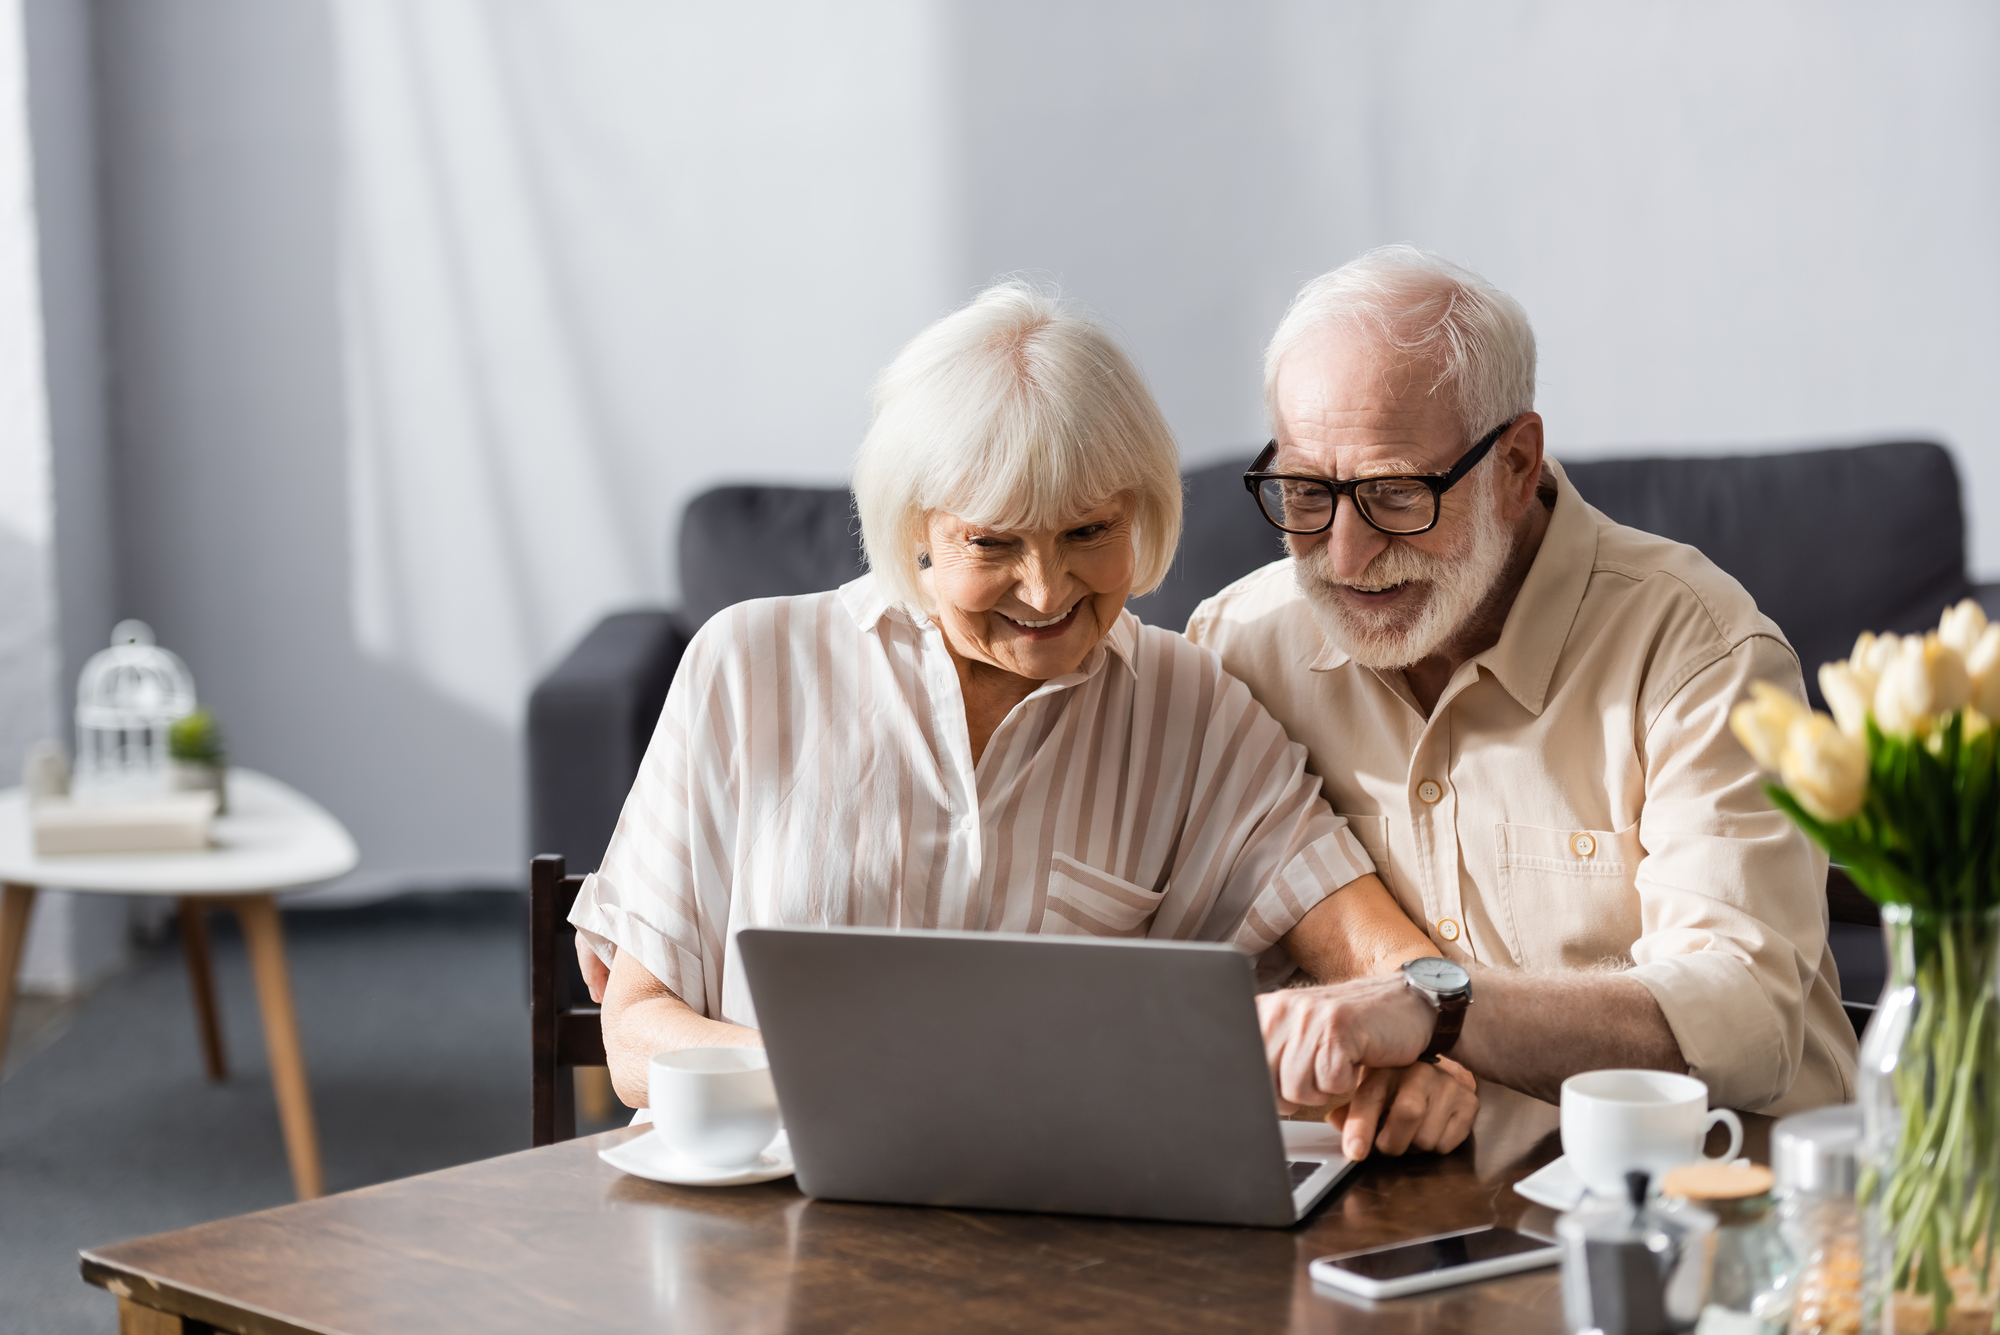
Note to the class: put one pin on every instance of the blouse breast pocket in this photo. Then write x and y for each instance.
(1084, 901)
(1568, 898)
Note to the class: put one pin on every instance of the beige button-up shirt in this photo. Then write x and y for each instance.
(1576, 799)
(812, 768)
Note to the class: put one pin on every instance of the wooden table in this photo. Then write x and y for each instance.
(273, 838)
(555, 1240)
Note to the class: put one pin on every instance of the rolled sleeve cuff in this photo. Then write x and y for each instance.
(608, 927)
(1333, 860)
(1731, 1036)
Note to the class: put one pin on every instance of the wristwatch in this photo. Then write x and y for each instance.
(1446, 986)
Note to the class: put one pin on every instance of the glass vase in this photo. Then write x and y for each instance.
(1929, 1087)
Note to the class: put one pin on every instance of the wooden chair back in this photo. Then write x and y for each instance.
(563, 1034)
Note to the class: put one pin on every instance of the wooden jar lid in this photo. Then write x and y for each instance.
(1717, 1181)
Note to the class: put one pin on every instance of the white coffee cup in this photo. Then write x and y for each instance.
(713, 1106)
(1614, 1122)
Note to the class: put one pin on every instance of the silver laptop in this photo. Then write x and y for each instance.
(1066, 1074)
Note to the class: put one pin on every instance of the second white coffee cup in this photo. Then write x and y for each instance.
(1614, 1122)
(713, 1106)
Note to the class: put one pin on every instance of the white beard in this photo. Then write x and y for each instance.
(1454, 584)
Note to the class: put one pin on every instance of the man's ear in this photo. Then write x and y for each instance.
(1519, 454)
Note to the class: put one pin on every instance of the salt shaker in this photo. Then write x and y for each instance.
(1750, 1283)
(1631, 1269)
(1817, 1159)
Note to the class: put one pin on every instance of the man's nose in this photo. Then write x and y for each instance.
(1353, 542)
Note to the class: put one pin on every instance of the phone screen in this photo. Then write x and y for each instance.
(1431, 1254)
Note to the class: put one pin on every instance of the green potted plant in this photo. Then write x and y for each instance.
(194, 743)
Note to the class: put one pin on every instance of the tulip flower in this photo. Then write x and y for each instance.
(1925, 678)
(1824, 768)
(1961, 627)
(1983, 665)
(1849, 692)
(1873, 653)
(1763, 722)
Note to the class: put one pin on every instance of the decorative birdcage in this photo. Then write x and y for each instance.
(127, 698)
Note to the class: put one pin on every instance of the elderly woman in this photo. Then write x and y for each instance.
(977, 735)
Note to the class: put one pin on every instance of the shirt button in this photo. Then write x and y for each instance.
(1430, 790)
(1582, 845)
(1447, 929)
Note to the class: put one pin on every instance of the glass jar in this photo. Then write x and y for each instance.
(1815, 1156)
(1930, 1146)
(1750, 1278)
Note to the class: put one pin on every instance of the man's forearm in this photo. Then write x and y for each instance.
(1532, 1031)
(1355, 932)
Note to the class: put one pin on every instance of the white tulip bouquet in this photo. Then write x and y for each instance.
(1901, 785)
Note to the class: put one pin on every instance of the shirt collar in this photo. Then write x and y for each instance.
(1523, 660)
(1538, 624)
(867, 604)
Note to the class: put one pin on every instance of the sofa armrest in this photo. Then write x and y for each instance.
(1988, 597)
(589, 721)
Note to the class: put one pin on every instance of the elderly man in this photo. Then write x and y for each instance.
(1521, 707)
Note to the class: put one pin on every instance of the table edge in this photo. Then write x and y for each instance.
(333, 870)
(131, 1284)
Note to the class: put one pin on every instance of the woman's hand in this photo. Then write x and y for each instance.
(1427, 1108)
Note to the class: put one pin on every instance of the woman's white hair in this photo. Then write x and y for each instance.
(1013, 413)
(1476, 337)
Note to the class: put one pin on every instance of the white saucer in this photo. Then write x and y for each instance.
(647, 1156)
(1555, 1185)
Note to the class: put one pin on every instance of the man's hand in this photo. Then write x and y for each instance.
(596, 973)
(1427, 1108)
(1321, 1041)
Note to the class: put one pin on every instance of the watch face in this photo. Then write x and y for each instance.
(1439, 975)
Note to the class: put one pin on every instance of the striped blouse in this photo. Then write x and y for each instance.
(812, 767)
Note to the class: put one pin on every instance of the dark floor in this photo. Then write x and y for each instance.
(413, 1015)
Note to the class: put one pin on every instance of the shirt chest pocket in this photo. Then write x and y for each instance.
(1568, 898)
(1084, 901)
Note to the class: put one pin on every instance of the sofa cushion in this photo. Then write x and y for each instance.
(739, 543)
(1829, 542)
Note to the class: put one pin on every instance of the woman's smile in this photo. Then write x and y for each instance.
(1050, 629)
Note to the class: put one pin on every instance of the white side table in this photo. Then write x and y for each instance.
(273, 838)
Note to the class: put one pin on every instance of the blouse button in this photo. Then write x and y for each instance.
(1447, 929)
(1430, 790)
(1582, 845)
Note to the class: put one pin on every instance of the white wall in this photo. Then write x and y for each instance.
(1756, 224)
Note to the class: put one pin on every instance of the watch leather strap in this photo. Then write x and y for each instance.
(1450, 1020)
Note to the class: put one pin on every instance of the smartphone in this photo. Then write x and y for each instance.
(1435, 1262)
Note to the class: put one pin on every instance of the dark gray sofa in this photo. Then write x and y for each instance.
(1830, 543)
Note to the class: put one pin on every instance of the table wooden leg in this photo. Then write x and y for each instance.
(266, 940)
(193, 914)
(134, 1319)
(15, 903)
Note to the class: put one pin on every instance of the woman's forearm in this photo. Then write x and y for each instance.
(642, 1017)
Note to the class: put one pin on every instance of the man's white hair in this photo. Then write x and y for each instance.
(1475, 337)
(1013, 413)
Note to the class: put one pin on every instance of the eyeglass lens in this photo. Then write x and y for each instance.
(1394, 505)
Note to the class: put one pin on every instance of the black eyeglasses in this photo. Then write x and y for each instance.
(1399, 505)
